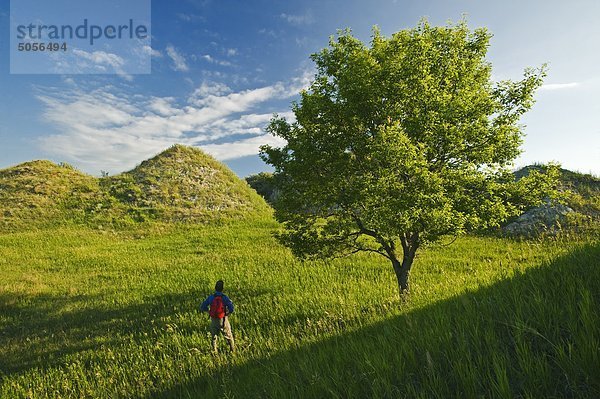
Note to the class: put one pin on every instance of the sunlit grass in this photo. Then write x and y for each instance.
(85, 313)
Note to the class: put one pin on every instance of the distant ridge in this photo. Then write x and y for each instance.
(579, 191)
(181, 184)
(578, 206)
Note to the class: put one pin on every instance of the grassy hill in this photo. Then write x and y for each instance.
(179, 184)
(183, 184)
(579, 191)
(37, 193)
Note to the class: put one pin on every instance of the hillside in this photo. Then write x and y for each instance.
(577, 205)
(181, 184)
(39, 192)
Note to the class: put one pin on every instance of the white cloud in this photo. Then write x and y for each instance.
(178, 59)
(191, 17)
(101, 58)
(241, 148)
(147, 50)
(213, 60)
(301, 82)
(241, 101)
(559, 86)
(98, 109)
(304, 19)
(163, 106)
(209, 89)
(269, 32)
(97, 61)
(302, 41)
(106, 129)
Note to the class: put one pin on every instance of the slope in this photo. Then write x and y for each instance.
(181, 184)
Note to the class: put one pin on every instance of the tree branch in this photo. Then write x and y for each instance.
(386, 245)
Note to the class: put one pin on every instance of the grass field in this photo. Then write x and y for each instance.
(86, 313)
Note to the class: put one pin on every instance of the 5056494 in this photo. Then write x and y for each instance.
(51, 46)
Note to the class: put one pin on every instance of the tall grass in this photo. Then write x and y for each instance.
(85, 313)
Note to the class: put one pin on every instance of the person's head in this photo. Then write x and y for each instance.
(219, 286)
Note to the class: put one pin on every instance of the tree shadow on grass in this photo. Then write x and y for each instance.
(41, 331)
(536, 334)
(44, 329)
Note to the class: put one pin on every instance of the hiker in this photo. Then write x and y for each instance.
(219, 306)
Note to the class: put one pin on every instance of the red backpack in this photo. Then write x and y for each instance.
(217, 307)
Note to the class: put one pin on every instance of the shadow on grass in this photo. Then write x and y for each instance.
(44, 329)
(536, 334)
(41, 331)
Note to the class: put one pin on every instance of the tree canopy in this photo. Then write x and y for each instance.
(399, 143)
(263, 184)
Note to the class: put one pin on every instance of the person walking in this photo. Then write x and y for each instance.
(219, 307)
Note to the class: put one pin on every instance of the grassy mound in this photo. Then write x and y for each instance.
(579, 191)
(181, 184)
(38, 193)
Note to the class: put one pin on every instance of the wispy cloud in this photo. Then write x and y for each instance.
(559, 86)
(163, 106)
(303, 19)
(191, 17)
(152, 52)
(269, 32)
(242, 148)
(301, 82)
(208, 88)
(302, 41)
(100, 58)
(179, 63)
(107, 129)
(99, 61)
(212, 60)
(200, 3)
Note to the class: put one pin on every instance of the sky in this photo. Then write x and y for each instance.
(221, 68)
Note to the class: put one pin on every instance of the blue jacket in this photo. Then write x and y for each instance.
(226, 301)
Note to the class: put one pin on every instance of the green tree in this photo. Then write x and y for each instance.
(263, 184)
(399, 143)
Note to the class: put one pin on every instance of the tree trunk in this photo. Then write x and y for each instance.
(402, 270)
(410, 243)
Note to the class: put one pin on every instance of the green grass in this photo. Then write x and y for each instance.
(87, 313)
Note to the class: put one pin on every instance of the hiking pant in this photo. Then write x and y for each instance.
(221, 326)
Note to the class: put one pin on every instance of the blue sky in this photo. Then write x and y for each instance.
(220, 69)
